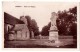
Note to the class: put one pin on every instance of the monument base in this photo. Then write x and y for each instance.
(53, 35)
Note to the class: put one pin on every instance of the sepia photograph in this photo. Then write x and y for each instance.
(40, 24)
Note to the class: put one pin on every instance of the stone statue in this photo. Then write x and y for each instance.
(53, 18)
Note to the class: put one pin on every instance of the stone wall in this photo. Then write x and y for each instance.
(20, 32)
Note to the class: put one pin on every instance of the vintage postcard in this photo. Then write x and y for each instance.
(40, 24)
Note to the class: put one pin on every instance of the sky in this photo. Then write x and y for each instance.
(40, 11)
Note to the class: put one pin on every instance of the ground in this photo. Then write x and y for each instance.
(40, 43)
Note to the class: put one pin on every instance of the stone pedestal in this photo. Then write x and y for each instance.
(53, 35)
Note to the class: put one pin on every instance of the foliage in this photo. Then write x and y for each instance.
(45, 30)
(66, 22)
(32, 25)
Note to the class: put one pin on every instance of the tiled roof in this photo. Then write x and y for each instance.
(9, 19)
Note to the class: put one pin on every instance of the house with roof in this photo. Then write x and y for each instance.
(15, 29)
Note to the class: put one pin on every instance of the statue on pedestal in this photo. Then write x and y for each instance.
(53, 32)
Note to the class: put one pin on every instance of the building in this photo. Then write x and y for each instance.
(15, 29)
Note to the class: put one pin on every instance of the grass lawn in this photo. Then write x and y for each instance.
(37, 43)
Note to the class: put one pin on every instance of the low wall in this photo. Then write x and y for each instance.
(65, 37)
(47, 37)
